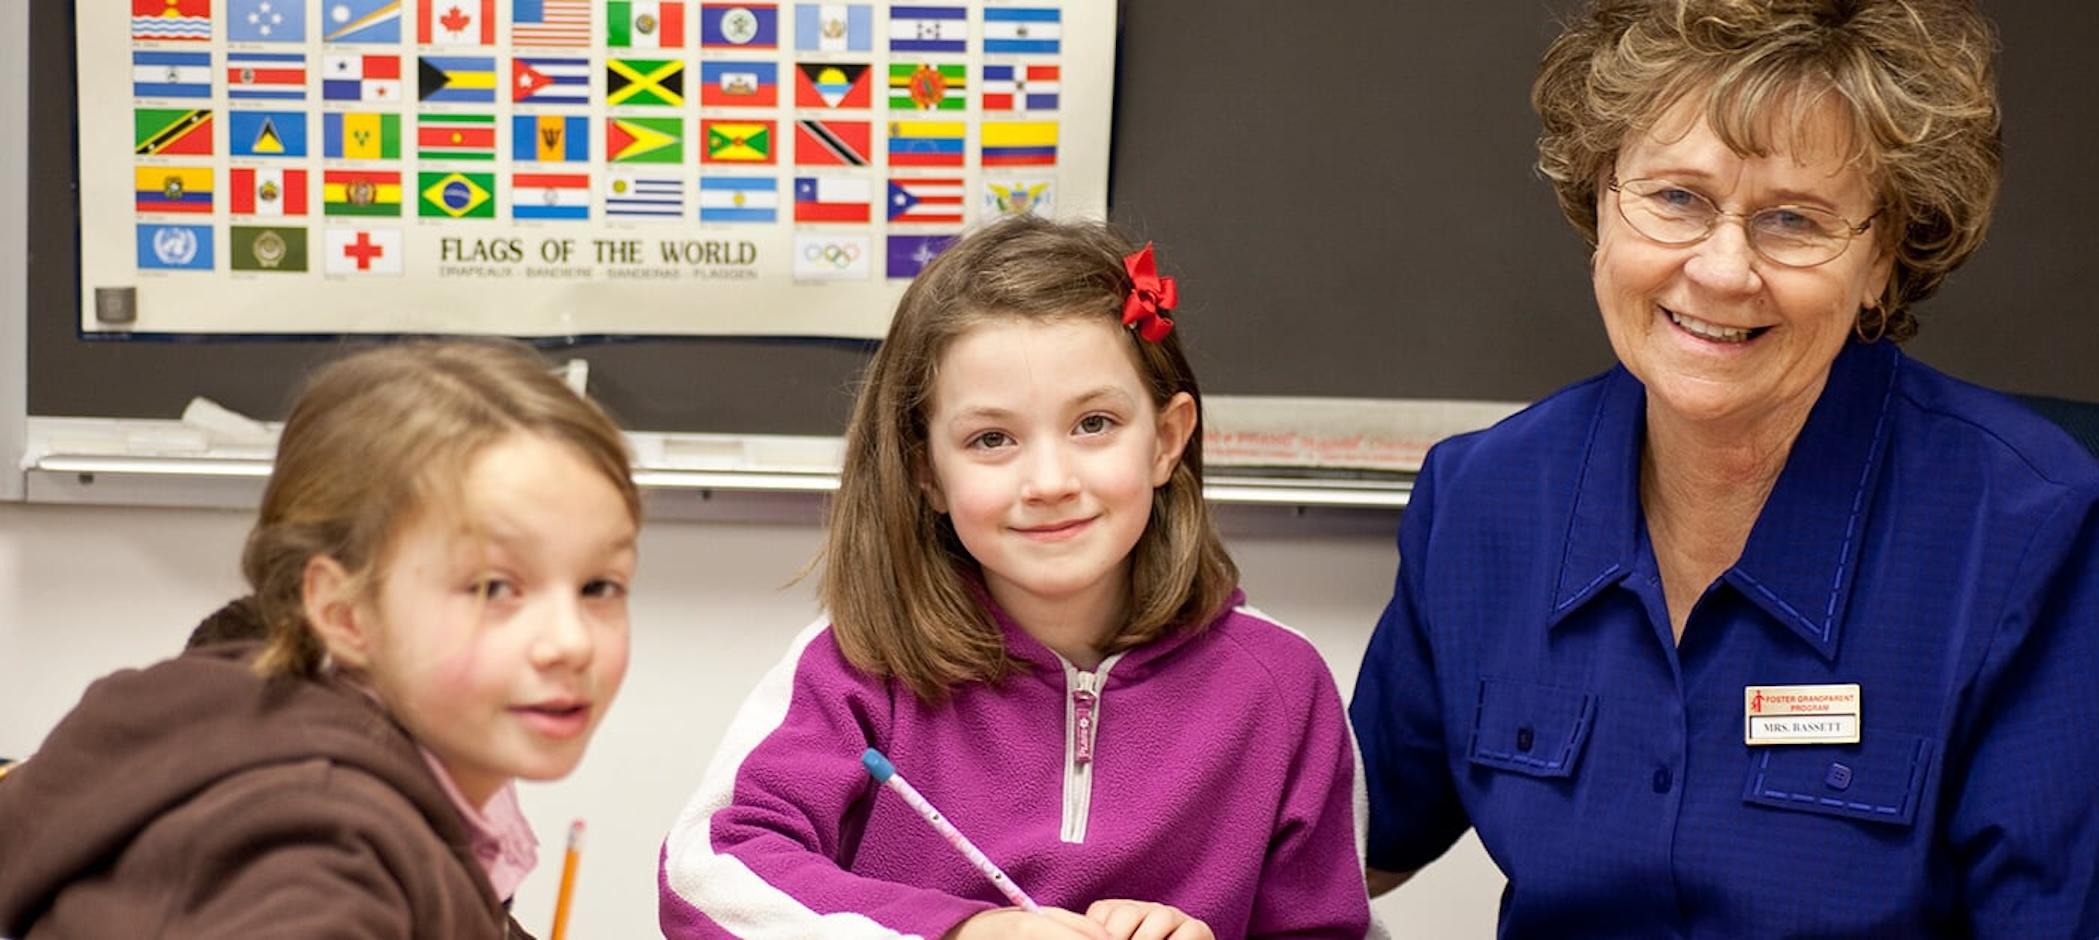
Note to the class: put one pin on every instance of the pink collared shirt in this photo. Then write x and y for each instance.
(498, 833)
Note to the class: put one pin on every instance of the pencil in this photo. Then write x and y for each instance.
(568, 880)
(885, 773)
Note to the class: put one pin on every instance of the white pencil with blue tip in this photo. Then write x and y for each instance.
(885, 774)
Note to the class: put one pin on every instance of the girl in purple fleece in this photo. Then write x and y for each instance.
(1032, 615)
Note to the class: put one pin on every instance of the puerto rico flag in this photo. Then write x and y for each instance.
(925, 200)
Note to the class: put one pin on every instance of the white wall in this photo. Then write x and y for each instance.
(86, 590)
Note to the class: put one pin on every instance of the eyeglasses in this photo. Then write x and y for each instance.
(1793, 236)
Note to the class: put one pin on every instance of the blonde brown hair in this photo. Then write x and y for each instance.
(382, 435)
(902, 592)
(1914, 80)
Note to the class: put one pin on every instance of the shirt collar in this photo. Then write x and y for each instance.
(497, 833)
(1801, 556)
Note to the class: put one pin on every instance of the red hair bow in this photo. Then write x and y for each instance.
(1150, 296)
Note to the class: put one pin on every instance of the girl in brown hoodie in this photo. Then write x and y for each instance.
(439, 572)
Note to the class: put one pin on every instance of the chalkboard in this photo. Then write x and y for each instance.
(1344, 188)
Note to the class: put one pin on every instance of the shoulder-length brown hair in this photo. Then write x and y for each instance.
(382, 435)
(1914, 80)
(901, 590)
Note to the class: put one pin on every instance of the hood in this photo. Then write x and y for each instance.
(143, 742)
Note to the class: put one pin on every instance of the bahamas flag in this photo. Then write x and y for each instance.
(460, 79)
(644, 140)
(737, 141)
(173, 189)
(171, 132)
(549, 138)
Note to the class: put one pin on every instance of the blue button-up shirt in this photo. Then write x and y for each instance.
(1932, 542)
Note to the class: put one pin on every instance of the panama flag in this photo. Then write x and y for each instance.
(361, 78)
(925, 200)
(171, 74)
(831, 199)
(362, 250)
(833, 27)
(831, 85)
(1022, 31)
(739, 199)
(268, 192)
(549, 81)
(550, 196)
(645, 24)
(171, 20)
(457, 23)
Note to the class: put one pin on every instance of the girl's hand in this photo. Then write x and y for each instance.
(1144, 920)
(1012, 923)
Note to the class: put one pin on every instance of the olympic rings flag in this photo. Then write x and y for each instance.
(567, 167)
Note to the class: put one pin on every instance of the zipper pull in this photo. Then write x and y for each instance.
(1082, 699)
(1082, 728)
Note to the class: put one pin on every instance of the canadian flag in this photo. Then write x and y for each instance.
(458, 23)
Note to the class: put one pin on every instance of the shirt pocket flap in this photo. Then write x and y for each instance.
(1529, 728)
(1880, 779)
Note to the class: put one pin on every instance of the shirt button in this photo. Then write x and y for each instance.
(1839, 776)
(1663, 779)
(1524, 740)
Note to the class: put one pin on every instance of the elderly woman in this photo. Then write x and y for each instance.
(1769, 631)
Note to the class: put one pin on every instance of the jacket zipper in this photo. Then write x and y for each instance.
(1082, 722)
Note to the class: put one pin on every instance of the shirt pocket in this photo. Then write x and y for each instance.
(1529, 728)
(1880, 779)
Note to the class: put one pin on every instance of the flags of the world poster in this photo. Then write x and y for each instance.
(635, 196)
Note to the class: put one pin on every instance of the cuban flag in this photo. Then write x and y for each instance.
(549, 81)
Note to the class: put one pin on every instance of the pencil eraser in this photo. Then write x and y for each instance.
(877, 765)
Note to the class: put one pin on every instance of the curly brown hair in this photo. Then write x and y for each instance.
(1914, 80)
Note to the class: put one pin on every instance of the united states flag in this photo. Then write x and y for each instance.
(560, 23)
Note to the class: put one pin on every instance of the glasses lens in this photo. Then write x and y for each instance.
(1665, 212)
(1798, 235)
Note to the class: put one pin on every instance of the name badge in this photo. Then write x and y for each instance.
(1800, 714)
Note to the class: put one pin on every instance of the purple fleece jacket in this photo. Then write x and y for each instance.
(1220, 780)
